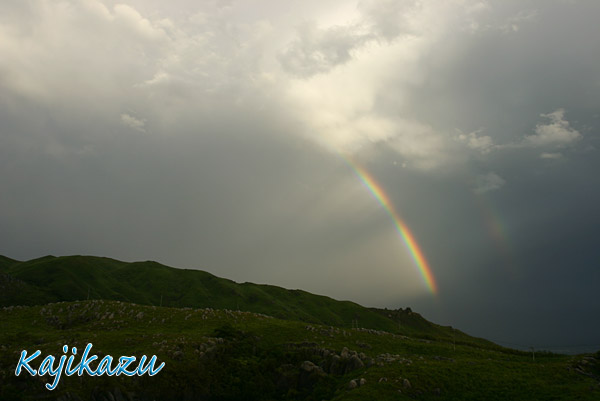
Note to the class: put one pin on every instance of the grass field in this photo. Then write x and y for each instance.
(214, 351)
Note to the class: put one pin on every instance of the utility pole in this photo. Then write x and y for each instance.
(532, 353)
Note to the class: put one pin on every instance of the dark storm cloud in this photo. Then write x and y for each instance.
(524, 253)
(209, 136)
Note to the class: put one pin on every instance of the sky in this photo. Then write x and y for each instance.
(230, 136)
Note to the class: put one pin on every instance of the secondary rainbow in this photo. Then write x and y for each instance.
(497, 231)
(407, 237)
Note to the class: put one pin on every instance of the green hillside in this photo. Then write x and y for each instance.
(71, 278)
(222, 340)
(232, 355)
(6, 262)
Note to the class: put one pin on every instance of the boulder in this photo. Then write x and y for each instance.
(310, 367)
(354, 363)
(337, 366)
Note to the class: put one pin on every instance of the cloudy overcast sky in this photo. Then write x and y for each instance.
(213, 135)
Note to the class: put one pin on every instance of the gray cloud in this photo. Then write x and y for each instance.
(133, 122)
(319, 50)
(551, 156)
(389, 19)
(488, 182)
(481, 143)
(556, 133)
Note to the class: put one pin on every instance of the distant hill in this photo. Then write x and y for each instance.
(71, 278)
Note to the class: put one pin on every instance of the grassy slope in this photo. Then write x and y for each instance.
(6, 262)
(256, 356)
(69, 278)
(14, 291)
(413, 324)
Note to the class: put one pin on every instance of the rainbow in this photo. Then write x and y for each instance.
(497, 231)
(408, 238)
